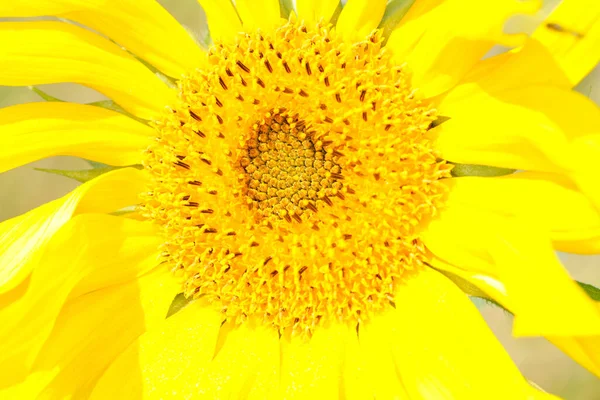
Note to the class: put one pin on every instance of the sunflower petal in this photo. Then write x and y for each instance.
(312, 368)
(444, 349)
(109, 319)
(512, 251)
(172, 355)
(223, 20)
(261, 14)
(87, 244)
(34, 131)
(24, 237)
(313, 11)
(433, 32)
(528, 128)
(142, 26)
(359, 18)
(35, 53)
(583, 349)
(246, 366)
(549, 201)
(572, 34)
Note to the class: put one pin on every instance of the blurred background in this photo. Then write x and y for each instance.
(24, 188)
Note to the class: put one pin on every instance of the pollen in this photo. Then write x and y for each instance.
(293, 177)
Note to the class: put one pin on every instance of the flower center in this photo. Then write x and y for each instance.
(293, 177)
(288, 173)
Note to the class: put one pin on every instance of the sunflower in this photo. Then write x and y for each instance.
(315, 195)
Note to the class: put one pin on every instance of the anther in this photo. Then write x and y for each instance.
(195, 116)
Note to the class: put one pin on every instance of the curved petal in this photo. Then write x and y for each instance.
(444, 349)
(24, 237)
(223, 21)
(359, 18)
(30, 132)
(259, 14)
(312, 368)
(550, 202)
(246, 366)
(434, 32)
(34, 53)
(166, 360)
(87, 244)
(520, 257)
(528, 128)
(583, 349)
(92, 330)
(572, 35)
(313, 11)
(142, 26)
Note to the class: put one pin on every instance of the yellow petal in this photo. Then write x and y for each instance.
(258, 14)
(444, 349)
(223, 20)
(434, 32)
(33, 131)
(527, 128)
(572, 34)
(312, 369)
(87, 244)
(530, 64)
(35, 53)
(246, 366)
(92, 330)
(166, 361)
(377, 340)
(313, 11)
(583, 349)
(23, 238)
(520, 257)
(359, 18)
(142, 26)
(550, 202)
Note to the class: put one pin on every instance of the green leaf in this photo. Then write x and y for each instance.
(84, 175)
(591, 291)
(394, 12)
(479, 170)
(179, 302)
(44, 95)
(81, 175)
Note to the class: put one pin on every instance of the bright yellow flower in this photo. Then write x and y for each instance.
(298, 190)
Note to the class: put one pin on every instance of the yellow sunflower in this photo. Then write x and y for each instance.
(303, 224)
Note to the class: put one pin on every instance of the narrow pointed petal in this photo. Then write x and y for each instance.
(33, 131)
(359, 18)
(142, 26)
(35, 53)
(313, 11)
(261, 14)
(223, 20)
(23, 238)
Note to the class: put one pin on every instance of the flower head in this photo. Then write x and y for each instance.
(311, 194)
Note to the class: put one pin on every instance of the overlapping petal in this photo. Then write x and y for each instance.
(24, 237)
(45, 52)
(91, 243)
(223, 20)
(313, 11)
(261, 14)
(359, 18)
(142, 26)
(57, 128)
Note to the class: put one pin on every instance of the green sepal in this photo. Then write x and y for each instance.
(479, 170)
(285, 8)
(45, 95)
(394, 12)
(179, 302)
(84, 175)
(590, 290)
